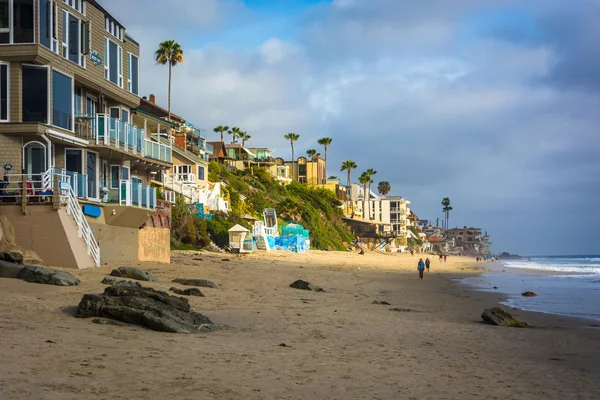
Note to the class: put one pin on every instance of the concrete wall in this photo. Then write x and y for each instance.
(154, 244)
(117, 244)
(41, 231)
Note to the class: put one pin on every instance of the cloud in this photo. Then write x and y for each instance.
(502, 119)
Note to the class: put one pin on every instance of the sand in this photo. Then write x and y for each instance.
(338, 344)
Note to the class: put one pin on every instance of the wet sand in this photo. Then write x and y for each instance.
(338, 344)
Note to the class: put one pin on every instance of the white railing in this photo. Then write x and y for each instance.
(157, 151)
(37, 186)
(140, 195)
(83, 228)
(121, 135)
(185, 177)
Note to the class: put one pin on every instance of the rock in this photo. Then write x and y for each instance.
(401, 309)
(497, 316)
(10, 270)
(187, 292)
(103, 321)
(30, 257)
(144, 306)
(47, 276)
(195, 282)
(134, 273)
(111, 280)
(303, 285)
(213, 248)
(528, 294)
(384, 303)
(226, 259)
(12, 255)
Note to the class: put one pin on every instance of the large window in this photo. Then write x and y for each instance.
(16, 21)
(113, 62)
(133, 78)
(4, 92)
(78, 5)
(200, 172)
(112, 27)
(48, 23)
(35, 94)
(75, 38)
(62, 100)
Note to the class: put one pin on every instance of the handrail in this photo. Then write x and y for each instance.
(84, 230)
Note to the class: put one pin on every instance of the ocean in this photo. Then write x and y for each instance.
(565, 285)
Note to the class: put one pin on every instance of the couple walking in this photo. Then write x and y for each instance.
(421, 267)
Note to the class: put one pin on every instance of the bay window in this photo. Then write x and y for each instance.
(4, 92)
(16, 21)
(35, 82)
(113, 62)
(133, 75)
(62, 100)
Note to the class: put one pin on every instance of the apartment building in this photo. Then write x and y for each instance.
(469, 240)
(308, 171)
(70, 87)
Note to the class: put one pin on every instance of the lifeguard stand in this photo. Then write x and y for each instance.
(237, 235)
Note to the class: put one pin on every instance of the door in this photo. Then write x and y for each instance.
(34, 154)
(92, 175)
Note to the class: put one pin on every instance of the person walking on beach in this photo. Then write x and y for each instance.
(445, 257)
(421, 268)
(427, 262)
(441, 256)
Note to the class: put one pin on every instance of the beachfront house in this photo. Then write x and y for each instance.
(70, 81)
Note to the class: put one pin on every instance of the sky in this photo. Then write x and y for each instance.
(494, 104)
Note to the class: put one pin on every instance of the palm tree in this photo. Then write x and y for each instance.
(326, 141)
(447, 208)
(384, 188)
(244, 136)
(312, 153)
(370, 172)
(292, 137)
(221, 129)
(235, 131)
(365, 180)
(169, 52)
(348, 165)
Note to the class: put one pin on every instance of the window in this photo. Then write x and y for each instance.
(62, 100)
(78, 100)
(133, 75)
(112, 27)
(16, 21)
(35, 94)
(74, 160)
(113, 62)
(75, 38)
(48, 22)
(78, 5)
(125, 115)
(200, 173)
(4, 92)
(114, 176)
(125, 173)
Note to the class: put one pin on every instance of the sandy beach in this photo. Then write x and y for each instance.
(338, 345)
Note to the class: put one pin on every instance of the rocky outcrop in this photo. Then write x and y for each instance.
(10, 251)
(133, 273)
(111, 280)
(195, 282)
(46, 276)
(499, 317)
(187, 292)
(383, 303)
(528, 294)
(303, 285)
(144, 306)
(13, 256)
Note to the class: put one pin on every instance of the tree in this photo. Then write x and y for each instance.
(244, 136)
(348, 166)
(292, 137)
(235, 132)
(169, 52)
(384, 188)
(221, 129)
(312, 153)
(364, 179)
(325, 142)
(447, 208)
(370, 172)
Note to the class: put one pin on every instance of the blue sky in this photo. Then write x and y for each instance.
(493, 104)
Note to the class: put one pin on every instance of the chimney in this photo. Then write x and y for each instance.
(152, 99)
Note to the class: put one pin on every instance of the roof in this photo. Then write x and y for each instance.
(238, 146)
(187, 154)
(155, 109)
(238, 228)
(260, 148)
(166, 121)
(218, 148)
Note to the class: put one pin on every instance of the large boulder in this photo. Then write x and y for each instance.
(303, 285)
(144, 306)
(195, 282)
(12, 255)
(187, 292)
(497, 316)
(133, 273)
(111, 280)
(47, 276)
(10, 270)
(528, 294)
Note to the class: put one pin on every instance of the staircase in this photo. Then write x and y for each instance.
(270, 216)
(262, 243)
(83, 228)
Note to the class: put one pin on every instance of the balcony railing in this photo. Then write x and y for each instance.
(136, 194)
(158, 151)
(185, 177)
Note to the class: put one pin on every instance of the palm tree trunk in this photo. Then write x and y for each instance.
(348, 189)
(325, 177)
(364, 201)
(170, 67)
(293, 163)
(222, 135)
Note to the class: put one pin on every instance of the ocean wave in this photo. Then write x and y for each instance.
(593, 269)
(558, 259)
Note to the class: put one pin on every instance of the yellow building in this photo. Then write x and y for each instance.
(311, 172)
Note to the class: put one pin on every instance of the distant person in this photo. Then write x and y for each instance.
(421, 268)
(427, 262)
(445, 257)
(412, 252)
(361, 252)
(441, 257)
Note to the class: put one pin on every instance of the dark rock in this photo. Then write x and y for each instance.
(528, 294)
(103, 321)
(384, 303)
(14, 255)
(497, 316)
(144, 306)
(495, 287)
(303, 285)
(195, 282)
(47, 276)
(187, 292)
(111, 280)
(10, 270)
(401, 309)
(134, 273)
(226, 259)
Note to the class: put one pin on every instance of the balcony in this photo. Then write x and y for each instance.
(136, 194)
(157, 151)
(185, 177)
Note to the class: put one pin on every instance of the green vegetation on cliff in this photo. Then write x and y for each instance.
(317, 209)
